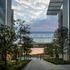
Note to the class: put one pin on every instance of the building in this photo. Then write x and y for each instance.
(61, 8)
(6, 13)
(12, 19)
(9, 14)
(2, 11)
(42, 36)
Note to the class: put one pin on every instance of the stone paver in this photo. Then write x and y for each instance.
(43, 65)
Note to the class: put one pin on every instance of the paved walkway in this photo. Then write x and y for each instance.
(43, 65)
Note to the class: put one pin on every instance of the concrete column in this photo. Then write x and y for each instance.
(66, 22)
(60, 18)
(69, 27)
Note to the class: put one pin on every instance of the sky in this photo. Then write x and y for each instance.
(30, 9)
(34, 13)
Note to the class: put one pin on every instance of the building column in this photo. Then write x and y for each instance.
(66, 23)
(69, 27)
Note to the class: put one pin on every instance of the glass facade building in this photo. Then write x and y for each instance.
(2, 11)
(6, 15)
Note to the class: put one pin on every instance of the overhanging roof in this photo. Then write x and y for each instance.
(54, 7)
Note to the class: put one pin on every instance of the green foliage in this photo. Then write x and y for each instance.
(6, 40)
(49, 49)
(18, 66)
(57, 61)
(23, 35)
(27, 44)
(6, 37)
(61, 34)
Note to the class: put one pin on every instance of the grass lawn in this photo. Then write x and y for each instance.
(57, 61)
(13, 65)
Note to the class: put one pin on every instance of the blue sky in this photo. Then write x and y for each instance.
(34, 13)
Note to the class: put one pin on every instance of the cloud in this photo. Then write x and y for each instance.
(31, 8)
(34, 13)
(45, 24)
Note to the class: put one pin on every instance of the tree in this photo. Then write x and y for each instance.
(61, 34)
(20, 33)
(27, 44)
(6, 40)
(23, 35)
(56, 49)
(49, 49)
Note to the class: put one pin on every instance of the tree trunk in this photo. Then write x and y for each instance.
(62, 53)
(5, 58)
(5, 54)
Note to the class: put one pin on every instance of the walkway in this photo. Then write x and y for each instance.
(43, 65)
